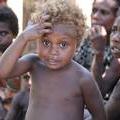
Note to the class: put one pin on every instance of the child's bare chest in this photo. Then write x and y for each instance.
(56, 86)
(56, 94)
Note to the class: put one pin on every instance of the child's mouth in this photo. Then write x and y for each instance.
(53, 61)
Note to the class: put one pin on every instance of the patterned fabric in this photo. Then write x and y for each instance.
(85, 54)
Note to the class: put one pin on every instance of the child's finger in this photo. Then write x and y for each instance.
(45, 31)
(47, 25)
(44, 19)
(42, 33)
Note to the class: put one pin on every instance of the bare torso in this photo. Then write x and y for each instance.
(55, 95)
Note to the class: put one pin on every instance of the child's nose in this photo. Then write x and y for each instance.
(54, 50)
(96, 15)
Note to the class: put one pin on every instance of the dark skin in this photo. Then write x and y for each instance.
(103, 13)
(19, 106)
(110, 79)
(6, 38)
(113, 105)
(103, 17)
(3, 111)
(59, 87)
(20, 102)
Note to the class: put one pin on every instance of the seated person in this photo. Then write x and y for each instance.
(110, 79)
(3, 111)
(20, 102)
(103, 14)
(8, 30)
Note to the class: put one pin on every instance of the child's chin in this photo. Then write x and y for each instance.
(54, 67)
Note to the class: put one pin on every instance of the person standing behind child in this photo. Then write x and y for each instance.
(3, 111)
(20, 102)
(8, 29)
(111, 77)
(99, 35)
(103, 14)
(60, 87)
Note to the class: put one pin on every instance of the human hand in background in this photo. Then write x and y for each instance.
(97, 35)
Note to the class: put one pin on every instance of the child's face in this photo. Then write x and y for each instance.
(115, 38)
(57, 48)
(6, 36)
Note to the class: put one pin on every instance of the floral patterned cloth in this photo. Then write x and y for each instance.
(85, 53)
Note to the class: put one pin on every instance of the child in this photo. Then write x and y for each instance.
(8, 27)
(113, 104)
(20, 102)
(60, 87)
(3, 110)
(8, 31)
(109, 80)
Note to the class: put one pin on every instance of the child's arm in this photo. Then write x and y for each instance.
(93, 98)
(9, 59)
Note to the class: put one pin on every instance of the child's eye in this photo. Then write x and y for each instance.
(3, 33)
(63, 45)
(46, 43)
(94, 10)
(104, 12)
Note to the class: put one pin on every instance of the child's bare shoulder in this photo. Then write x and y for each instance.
(85, 78)
(30, 57)
(83, 73)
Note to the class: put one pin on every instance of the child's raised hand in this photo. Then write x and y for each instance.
(97, 35)
(35, 31)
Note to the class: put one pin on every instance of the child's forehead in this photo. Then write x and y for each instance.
(67, 29)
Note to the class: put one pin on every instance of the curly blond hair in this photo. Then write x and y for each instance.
(61, 11)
